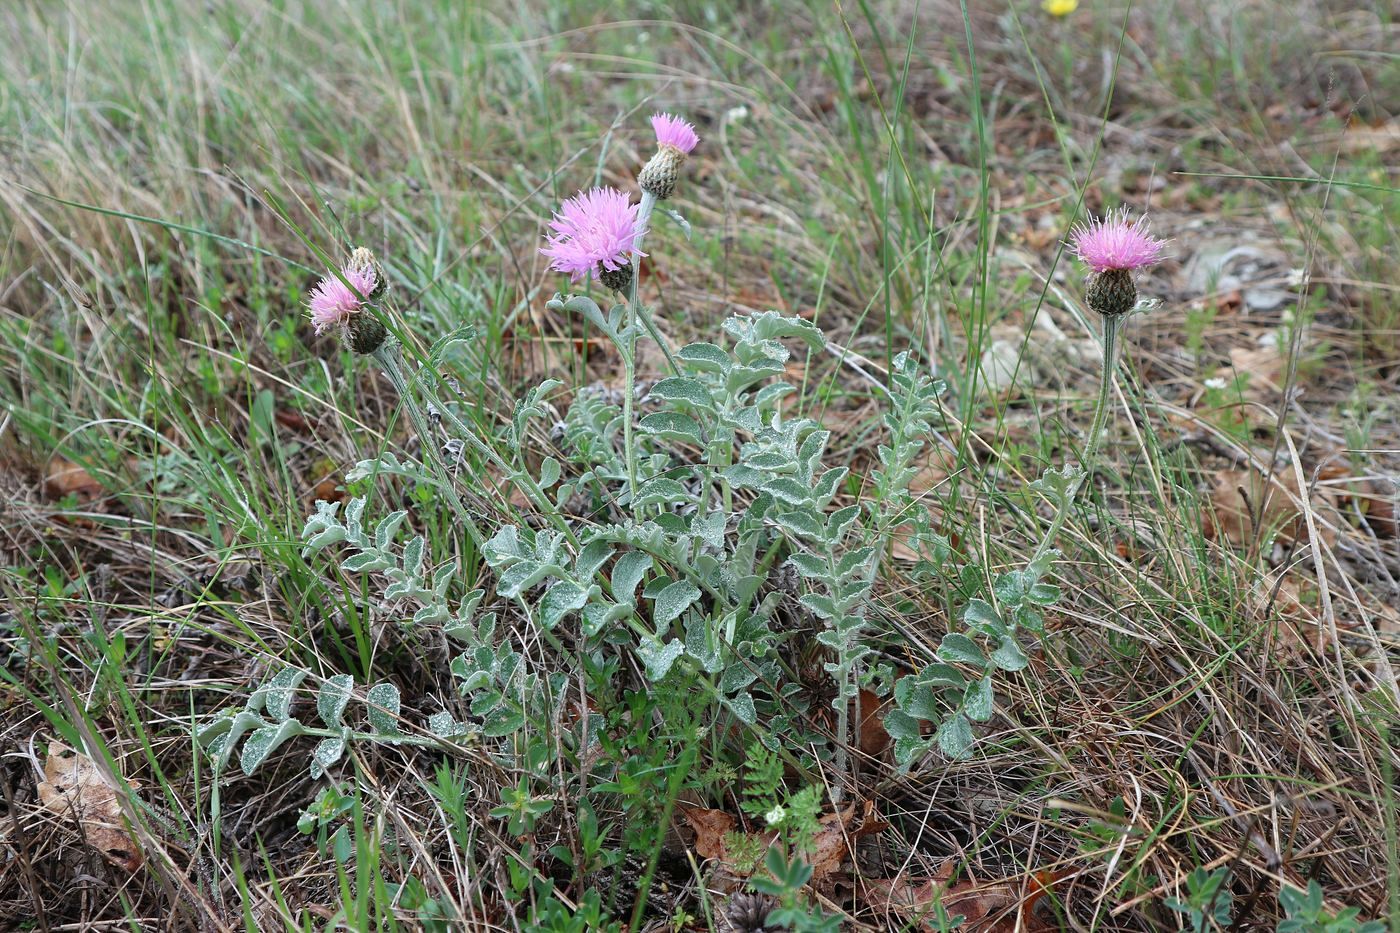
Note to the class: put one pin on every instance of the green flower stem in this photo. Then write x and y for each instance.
(390, 358)
(629, 353)
(1111, 325)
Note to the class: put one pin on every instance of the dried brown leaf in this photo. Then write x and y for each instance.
(75, 788)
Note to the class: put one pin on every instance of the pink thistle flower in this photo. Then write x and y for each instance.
(674, 132)
(594, 234)
(1115, 243)
(333, 305)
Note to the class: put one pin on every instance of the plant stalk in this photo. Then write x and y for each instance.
(1111, 325)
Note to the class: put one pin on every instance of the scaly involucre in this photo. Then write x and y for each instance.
(333, 305)
(594, 231)
(675, 132)
(1115, 242)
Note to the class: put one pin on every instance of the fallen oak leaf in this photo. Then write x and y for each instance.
(74, 787)
(711, 826)
(985, 908)
(64, 478)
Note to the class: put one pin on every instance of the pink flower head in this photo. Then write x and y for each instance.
(594, 231)
(675, 132)
(332, 304)
(1116, 243)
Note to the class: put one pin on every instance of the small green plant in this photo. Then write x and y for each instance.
(1208, 899)
(330, 807)
(1307, 914)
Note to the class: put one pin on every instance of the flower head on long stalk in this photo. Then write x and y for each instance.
(594, 234)
(341, 302)
(1113, 247)
(675, 139)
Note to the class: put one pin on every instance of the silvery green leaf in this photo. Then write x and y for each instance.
(385, 530)
(906, 750)
(1059, 486)
(709, 529)
(819, 605)
(672, 601)
(582, 305)
(328, 752)
(503, 548)
(737, 676)
(593, 556)
(801, 524)
(444, 726)
(278, 693)
(856, 561)
(901, 725)
(655, 585)
(413, 556)
(825, 488)
(1031, 619)
(523, 575)
(741, 705)
(977, 701)
(442, 577)
(839, 522)
(222, 735)
(1009, 656)
(915, 698)
(661, 490)
(955, 736)
(1043, 594)
(810, 566)
(265, 741)
(958, 648)
(809, 454)
(980, 615)
(788, 491)
(743, 476)
(767, 397)
(366, 562)
(333, 697)
(628, 572)
(561, 599)
(684, 390)
(705, 357)
(550, 471)
(354, 511)
(703, 643)
(383, 700)
(680, 221)
(658, 658)
(942, 675)
(672, 426)
(502, 721)
(598, 616)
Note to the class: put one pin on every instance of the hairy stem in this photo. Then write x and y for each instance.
(1111, 325)
(390, 358)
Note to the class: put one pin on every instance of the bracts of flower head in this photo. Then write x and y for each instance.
(1114, 248)
(595, 233)
(675, 139)
(342, 303)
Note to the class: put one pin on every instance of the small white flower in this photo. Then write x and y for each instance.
(1216, 383)
(735, 114)
(774, 816)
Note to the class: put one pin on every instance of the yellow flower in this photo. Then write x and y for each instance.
(1059, 7)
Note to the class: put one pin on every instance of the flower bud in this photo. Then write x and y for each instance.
(675, 139)
(363, 261)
